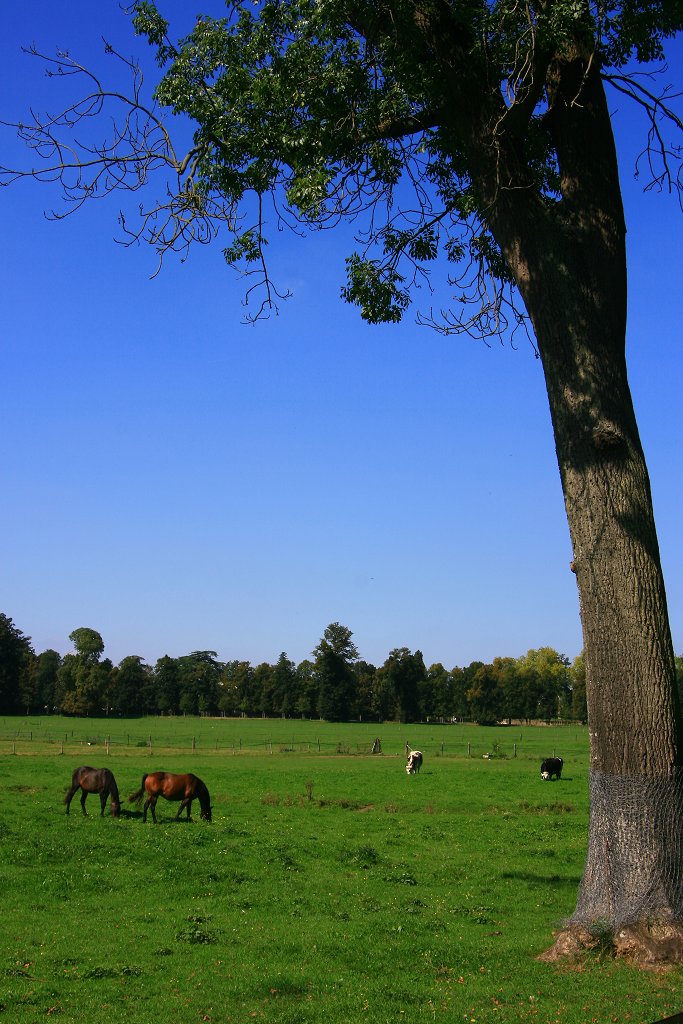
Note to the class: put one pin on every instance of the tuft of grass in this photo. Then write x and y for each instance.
(196, 932)
(362, 856)
(112, 972)
(557, 807)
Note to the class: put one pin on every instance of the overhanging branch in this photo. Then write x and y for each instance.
(137, 148)
(664, 160)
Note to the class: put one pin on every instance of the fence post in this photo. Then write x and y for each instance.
(194, 744)
(514, 749)
(469, 749)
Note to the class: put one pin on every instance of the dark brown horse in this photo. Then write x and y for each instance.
(94, 780)
(185, 788)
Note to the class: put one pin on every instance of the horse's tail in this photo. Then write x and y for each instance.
(137, 796)
(68, 796)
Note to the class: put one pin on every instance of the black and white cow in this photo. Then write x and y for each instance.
(551, 766)
(414, 762)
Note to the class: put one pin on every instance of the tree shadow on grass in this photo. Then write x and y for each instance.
(534, 879)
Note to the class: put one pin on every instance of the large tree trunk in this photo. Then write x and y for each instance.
(570, 266)
(633, 869)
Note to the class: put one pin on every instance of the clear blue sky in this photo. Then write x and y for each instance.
(179, 481)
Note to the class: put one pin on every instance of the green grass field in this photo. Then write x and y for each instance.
(230, 735)
(330, 886)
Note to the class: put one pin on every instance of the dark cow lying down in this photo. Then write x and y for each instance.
(414, 762)
(551, 766)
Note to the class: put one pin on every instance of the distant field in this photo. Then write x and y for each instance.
(329, 887)
(123, 737)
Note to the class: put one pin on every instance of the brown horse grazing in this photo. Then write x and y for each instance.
(185, 788)
(94, 780)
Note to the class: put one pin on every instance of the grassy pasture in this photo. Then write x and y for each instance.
(328, 887)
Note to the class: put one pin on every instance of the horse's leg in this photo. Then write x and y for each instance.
(183, 805)
(69, 797)
(83, 799)
(144, 809)
(189, 808)
(152, 802)
(103, 800)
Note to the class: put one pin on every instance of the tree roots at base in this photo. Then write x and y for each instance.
(652, 947)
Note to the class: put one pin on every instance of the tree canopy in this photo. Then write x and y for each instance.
(406, 119)
(88, 643)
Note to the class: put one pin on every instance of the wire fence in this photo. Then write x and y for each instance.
(80, 736)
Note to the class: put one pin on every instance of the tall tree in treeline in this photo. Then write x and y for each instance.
(129, 686)
(44, 680)
(167, 679)
(236, 687)
(548, 682)
(483, 695)
(405, 673)
(335, 657)
(88, 643)
(200, 674)
(366, 678)
(262, 683)
(508, 689)
(284, 686)
(82, 679)
(307, 686)
(15, 666)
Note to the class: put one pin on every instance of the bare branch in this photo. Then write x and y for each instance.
(664, 161)
(138, 148)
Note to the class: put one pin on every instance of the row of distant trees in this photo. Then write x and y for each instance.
(335, 683)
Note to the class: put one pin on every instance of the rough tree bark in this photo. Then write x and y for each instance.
(570, 267)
